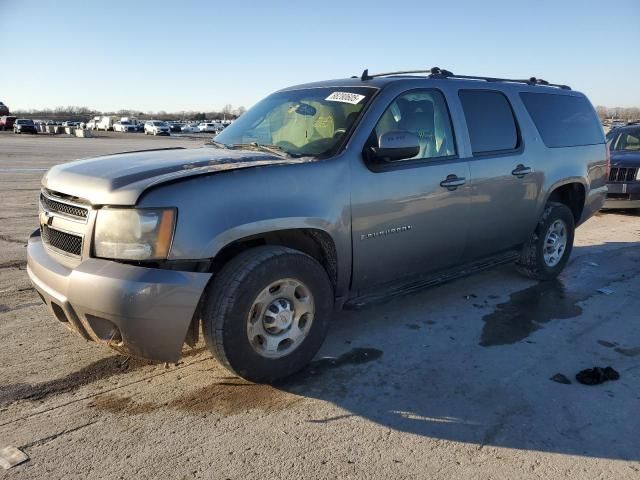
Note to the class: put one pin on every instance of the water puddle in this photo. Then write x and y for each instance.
(529, 309)
(628, 352)
(522, 315)
(356, 356)
(234, 395)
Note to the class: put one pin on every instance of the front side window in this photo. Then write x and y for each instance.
(311, 121)
(629, 140)
(490, 121)
(423, 113)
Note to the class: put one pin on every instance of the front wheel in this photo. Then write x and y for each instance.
(548, 250)
(267, 313)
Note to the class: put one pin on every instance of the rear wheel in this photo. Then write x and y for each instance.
(267, 313)
(548, 250)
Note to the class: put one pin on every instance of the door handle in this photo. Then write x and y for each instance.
(520, 171)
(452, 182)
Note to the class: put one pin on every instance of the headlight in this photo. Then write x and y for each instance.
(134, 234)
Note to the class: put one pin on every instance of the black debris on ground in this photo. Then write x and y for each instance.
(560, 378)
(596, 375)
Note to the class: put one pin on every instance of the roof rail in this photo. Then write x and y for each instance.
(437, 72)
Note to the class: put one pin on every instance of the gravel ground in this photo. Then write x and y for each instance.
(452, 382)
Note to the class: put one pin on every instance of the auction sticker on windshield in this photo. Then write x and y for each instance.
(345, 97)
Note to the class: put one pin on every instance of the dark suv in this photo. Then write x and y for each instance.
(624, 177)
(24, 125)
(325, 194)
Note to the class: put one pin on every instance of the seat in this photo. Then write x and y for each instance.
(418, 118)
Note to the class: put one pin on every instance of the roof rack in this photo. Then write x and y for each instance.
(437, 72)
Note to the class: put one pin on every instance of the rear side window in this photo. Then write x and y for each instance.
(563, 120)
(492, 127)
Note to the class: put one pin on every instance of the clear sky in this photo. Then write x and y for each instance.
(200, 55)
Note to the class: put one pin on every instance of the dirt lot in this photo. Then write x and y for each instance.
(453, 382)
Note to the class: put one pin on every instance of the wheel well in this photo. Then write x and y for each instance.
(572, 195)
(315, 243)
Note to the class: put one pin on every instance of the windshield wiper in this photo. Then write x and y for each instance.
(275, 149)
(219, 144)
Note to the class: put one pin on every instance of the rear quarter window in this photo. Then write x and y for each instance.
(563, 120)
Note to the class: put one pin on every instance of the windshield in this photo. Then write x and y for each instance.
(159, 124)
(24, 122)
(628, 140)
(300, 122)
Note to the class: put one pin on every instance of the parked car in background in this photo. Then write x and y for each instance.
(4, 110)
(124, 126)
(105, 123)
(615, 123)
(6, 122)
(93, 123)
(24, 125)
(322, 194)
(156, 127)
(175, 126)
(624, 177)
(190, 128)
(207, 127)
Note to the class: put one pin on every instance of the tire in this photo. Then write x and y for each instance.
(233, 297)
(533, 263)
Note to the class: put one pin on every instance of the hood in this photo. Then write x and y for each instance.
(120, 179)
(621, 158)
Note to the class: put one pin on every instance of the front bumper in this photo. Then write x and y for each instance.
(623, 195)
(615, 203)
(145, 312)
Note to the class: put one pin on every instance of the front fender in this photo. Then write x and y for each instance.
(217, 210)
(257, 228)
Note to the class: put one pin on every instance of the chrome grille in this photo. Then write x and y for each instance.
(63, 241)
(63, 208)
(623, 174)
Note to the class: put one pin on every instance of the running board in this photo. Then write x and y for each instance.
(415, 285)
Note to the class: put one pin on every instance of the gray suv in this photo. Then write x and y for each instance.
(322, 195)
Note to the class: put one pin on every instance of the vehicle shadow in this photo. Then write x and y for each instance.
(422, 364)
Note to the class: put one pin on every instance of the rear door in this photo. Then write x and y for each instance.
(410, 216)
(504, 183)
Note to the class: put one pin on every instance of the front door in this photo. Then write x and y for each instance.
(410, 216)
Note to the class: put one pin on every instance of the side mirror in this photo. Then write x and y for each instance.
(395, 145)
